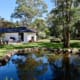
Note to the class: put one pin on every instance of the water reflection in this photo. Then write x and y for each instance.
(33, 67)
(70, 69)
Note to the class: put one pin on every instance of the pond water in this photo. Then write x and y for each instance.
(31, 67)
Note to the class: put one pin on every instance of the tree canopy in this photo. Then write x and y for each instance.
(41, 28)
(5, 23)
(29, 9)
(65, 13)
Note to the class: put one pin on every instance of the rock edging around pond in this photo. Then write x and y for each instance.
(7, 57)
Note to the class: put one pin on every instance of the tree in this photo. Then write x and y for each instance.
(76, 33)
(40, 26)
(66, 12)
(27, 10)
(29, 70)
(4, 23)
(54, 26)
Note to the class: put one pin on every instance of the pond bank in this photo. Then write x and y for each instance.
(49, 51)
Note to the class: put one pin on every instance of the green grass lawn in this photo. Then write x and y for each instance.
(2, 52)
(6, 48)
(27, 45)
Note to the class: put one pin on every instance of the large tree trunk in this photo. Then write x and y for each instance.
(66, 36)
(66, 24)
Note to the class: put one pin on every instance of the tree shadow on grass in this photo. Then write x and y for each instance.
(75, 45)
(31, 45)
(6, 47)
(39, 44)
(50, 45)
(2, 46)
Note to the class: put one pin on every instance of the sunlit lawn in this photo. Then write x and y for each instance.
(3, 52)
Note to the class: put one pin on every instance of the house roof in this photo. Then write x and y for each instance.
(15, 29)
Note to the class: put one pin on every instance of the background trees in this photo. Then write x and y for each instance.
(63, 20)
(41, 28)
(27, 10)
(65, 14)
(5, 23)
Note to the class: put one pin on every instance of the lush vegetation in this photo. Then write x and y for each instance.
(7, 48)
(63, 22)
(65, 14)
(27, 10)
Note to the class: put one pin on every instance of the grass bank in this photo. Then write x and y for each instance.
(6, 48)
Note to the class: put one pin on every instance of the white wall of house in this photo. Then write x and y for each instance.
(8, 35)
(28, 36)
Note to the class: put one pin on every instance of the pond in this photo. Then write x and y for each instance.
(33, 67)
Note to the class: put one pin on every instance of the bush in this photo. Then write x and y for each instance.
(57, 40)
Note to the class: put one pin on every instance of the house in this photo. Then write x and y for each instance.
(17, 34)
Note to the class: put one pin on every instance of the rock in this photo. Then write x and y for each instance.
(74, 50)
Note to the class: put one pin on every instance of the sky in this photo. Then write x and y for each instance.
(7, 8)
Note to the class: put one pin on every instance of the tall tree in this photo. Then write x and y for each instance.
(40, 26)
(54, 25)
(76, 33)
(4, 23)
(27, 10)
(66, 12)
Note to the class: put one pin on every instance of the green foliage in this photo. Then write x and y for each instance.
(53, 58)
(4, 23)
(29, 9)
(29, 68)
(65, 14)
(7, 48)
(41, 28)
(39, 24)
